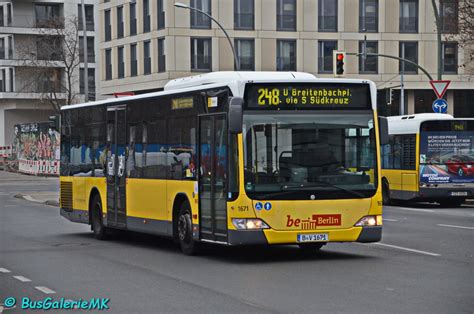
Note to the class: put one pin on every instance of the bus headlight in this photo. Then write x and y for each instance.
(249, 223)
(369, 221)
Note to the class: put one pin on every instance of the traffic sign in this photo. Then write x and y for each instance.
(440, 105)
(440, 87)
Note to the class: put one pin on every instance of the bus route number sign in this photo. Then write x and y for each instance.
(308, 96)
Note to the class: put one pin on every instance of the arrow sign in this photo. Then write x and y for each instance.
(440, 87)
(440, 106)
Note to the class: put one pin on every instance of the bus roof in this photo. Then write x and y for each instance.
(234, 80)
(410, 124)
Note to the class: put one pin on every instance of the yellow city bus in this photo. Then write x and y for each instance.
(429, 157)
(235, 158)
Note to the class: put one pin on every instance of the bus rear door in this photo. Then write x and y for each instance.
(116, 162)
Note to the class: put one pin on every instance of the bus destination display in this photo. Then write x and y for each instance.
(307, 96)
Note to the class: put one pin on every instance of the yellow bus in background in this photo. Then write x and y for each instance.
(429, 157)
(234, 158)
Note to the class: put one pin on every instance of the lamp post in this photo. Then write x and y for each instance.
(84, 44)
(185, 6)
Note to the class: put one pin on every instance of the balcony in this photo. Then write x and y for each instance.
(28, 25)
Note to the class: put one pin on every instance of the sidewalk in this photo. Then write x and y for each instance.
(48, 197)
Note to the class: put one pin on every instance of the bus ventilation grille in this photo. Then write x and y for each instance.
(66, 195)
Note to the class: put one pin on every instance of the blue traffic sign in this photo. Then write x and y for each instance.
(440, 105)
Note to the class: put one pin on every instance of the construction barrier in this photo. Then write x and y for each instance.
(38, 167)
(6, 151)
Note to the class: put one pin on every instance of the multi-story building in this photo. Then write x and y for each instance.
(32, 67)
(145, 43)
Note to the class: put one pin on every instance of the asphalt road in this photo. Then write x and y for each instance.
(424, 264)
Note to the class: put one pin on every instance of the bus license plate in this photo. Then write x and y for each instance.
(458, 193)
(315, 237)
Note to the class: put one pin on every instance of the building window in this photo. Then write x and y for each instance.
(244, 14)
(48, 15)
(408, 16)
(12, 80)
(327, 17)
(108, 26)
(409, 51)
(89, 17)
(2, 48)
(108, 64)
(90, 49)
(9, 14)
(146, 16)
(199, 20)
(450, 58)
(286, 55)
(119, 22)
(161, 15)
(286, 15)
(133, 19)
(368, 16)
(325, 49)
(161, 55)
(120, 63)
(133, 60)
(201, 54)
(245, 49)
(146, 58)
(91, 82)
(369, 65)
(448, 13)
(2, 21)
(10, 47)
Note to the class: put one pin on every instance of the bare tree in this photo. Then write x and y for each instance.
(50, 63)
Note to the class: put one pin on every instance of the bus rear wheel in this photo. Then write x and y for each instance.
(100, 231)
(185, 230)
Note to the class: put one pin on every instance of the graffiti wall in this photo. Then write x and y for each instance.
(37, 148)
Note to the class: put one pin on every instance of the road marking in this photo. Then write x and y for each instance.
(22, 279)
(4, 270)
(407, 249)
(388, 219)
(45, 290)
(453, 226)
(416, 209)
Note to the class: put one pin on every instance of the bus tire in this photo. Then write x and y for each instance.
(185, 230)
(385, 193)
(311, 247)
(100, 231)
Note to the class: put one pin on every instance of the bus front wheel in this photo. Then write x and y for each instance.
(100, 231)
(185, 230)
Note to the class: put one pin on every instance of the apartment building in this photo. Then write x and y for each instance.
(145, 43)
(32, 67)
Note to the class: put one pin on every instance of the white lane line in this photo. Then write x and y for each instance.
(454, 226)
(4, 270)
(45, 290)
(416, 209)
(388, 219)
(407, 249)
(22, 279)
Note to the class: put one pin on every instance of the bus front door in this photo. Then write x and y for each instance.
(212, 177)
(116, 162)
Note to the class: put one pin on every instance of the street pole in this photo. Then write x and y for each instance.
(438, 31)
(84, 44)
(402, 88)
(185, 6)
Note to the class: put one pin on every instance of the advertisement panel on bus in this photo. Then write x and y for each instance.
(446, 157)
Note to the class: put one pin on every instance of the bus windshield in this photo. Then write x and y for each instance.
(309, 156)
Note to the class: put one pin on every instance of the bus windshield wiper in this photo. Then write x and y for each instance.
(313, 184)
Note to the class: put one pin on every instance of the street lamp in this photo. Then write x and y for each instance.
(185, 6)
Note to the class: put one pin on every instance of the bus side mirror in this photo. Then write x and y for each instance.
(383, 130)
(235, 115)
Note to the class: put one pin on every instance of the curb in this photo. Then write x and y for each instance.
(29, 198)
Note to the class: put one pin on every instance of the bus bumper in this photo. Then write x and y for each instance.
(80, 216)
(269, 236)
